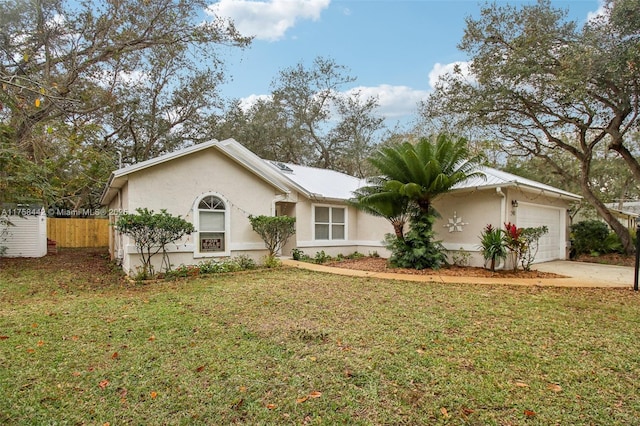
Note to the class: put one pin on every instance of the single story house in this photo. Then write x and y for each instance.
(217, 185)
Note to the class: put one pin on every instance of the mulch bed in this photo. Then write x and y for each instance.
(377, 264)
(374, 264)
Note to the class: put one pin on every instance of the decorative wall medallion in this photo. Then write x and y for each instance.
(455, 223)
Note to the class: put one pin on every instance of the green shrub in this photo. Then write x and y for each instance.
(271, 262)
(492, 246)
(182, 271)
(298, 254)
(151, 233)
(418, 249)
(245, 262)
(274, 230)
(321, 257)
(589, 236)
(355, 255)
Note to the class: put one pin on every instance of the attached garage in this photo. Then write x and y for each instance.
(553, 244)
(498, 198)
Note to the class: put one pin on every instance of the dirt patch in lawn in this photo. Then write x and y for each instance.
(83, 261)
(377, 264)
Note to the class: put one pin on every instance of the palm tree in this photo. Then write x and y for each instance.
(411, 177)
(374, 200)
(423, 171)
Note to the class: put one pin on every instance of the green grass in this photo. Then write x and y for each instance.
(84, 347)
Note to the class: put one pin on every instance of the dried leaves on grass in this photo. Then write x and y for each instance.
(292, 346)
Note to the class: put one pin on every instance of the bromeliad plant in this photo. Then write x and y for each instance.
(513, 242)
(492, 246)
(522, 243)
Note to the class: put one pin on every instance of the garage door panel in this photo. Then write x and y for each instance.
(551, 245)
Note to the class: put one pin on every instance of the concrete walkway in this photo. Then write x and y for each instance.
(579, 274)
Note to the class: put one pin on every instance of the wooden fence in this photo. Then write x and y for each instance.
(78, 232)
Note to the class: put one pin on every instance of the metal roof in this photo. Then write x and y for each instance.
(315, 183)
(497, 178)
(318, 183)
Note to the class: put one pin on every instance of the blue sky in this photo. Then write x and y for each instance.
(394, 48)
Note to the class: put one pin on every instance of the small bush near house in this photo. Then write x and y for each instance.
(522, 243)
(245, 262)
(239, 263)
(5, 223)
(492, 246)
(271, 262)
(418, 249)
(182, 271)
(275, 231)
(321, 257)
(151, 233)
(589, 237)
(298, 254)
(530, 245)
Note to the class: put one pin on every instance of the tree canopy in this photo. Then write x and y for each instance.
(410, 176)
(308, 119)
(540, 84)
(89, 80)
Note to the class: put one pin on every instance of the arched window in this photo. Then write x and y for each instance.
(212, 225)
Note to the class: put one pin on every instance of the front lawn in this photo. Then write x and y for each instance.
(78, 345)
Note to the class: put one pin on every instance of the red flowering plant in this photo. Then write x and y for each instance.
(523, 243)
(514, 242)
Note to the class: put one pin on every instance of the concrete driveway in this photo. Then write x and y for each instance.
(584, 274)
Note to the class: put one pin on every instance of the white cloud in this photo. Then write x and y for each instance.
(393, 101)
(440, 70)
(601, 11)
(267, 20)
(251, 100)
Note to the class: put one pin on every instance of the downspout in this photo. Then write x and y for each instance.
(503, 218)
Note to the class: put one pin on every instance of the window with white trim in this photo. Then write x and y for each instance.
(212, 227)
(330, 223)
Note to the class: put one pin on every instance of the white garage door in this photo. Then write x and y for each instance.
(552, 244)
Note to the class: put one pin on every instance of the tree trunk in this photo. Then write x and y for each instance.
(398, 228)
(628, 158)
(603, 211)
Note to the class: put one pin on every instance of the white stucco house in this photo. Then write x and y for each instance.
(218, 184)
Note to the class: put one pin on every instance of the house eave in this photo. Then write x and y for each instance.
(528, 188)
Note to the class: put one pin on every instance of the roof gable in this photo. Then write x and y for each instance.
(228, 147)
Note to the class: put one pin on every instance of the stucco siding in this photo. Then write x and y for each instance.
(463, 216)
(177, 186)
(364, 232)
